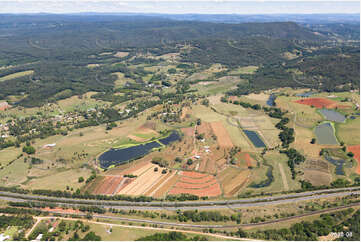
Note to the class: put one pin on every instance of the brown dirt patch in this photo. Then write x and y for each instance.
(320, 102)
(136, 138)
(237, 182)
(355, 149)
(121, 54)
(213, 190)
(223, 138)
(184, 112)
(317, 177)
(153, 189)
(197, 184)
(188, 131)
(68, 210)
(192, 174)
(165, 187)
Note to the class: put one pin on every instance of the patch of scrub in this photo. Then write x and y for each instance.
(325, 134)
(333, 115)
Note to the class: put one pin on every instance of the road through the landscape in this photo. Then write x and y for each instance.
(239, 203)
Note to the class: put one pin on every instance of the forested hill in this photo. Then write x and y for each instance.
(44, 58)
(136, 31)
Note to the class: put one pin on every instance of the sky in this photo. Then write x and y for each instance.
(180, 7)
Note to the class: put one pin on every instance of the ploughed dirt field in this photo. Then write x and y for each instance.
(222, 135)
(320, 103)
(355, 149)
(197, 184)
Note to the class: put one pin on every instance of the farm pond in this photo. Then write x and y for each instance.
(121, 156)
(325, 134)
(254, 137)
(333, 115)
(338, 163)
(271, 100)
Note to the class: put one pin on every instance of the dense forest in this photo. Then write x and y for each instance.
(58, 48)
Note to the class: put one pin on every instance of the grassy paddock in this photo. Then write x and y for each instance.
(16, 75)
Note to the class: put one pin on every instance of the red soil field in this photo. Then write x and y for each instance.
(188, 131)
(196, 180)
(197, 184)
(223, 138)
(113, 185)
(320, 102)
(184, 112)
(109, 185)
(194, 185)
(247, 158)
(193, 174)
(68, 210)
(355, 149)
(204, 128)
(211, 191)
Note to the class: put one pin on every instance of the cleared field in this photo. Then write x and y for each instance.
(317, 177)
(167, 184)
(9, 154)
(306, 116)
(188, 131)
(197, 184)
(124, 233)
(16, 75)
(349, 132)
(263, 97)
(144, 133)
(223, 138)
(121, 54)
(110, 185)
(14, 174)
(59, 181)
(160, 183)
(355, 149)
(303, 136)
(317, 172)
(244, 70)
(233, 180)
(321, 103)
(146, 179)
(208, 115)
(121, 80)
(220, 86)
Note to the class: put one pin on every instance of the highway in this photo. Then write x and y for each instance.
(233, 204)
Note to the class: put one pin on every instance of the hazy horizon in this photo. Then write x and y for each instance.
(178, 7)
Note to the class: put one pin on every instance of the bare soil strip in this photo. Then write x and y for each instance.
(284, 179)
